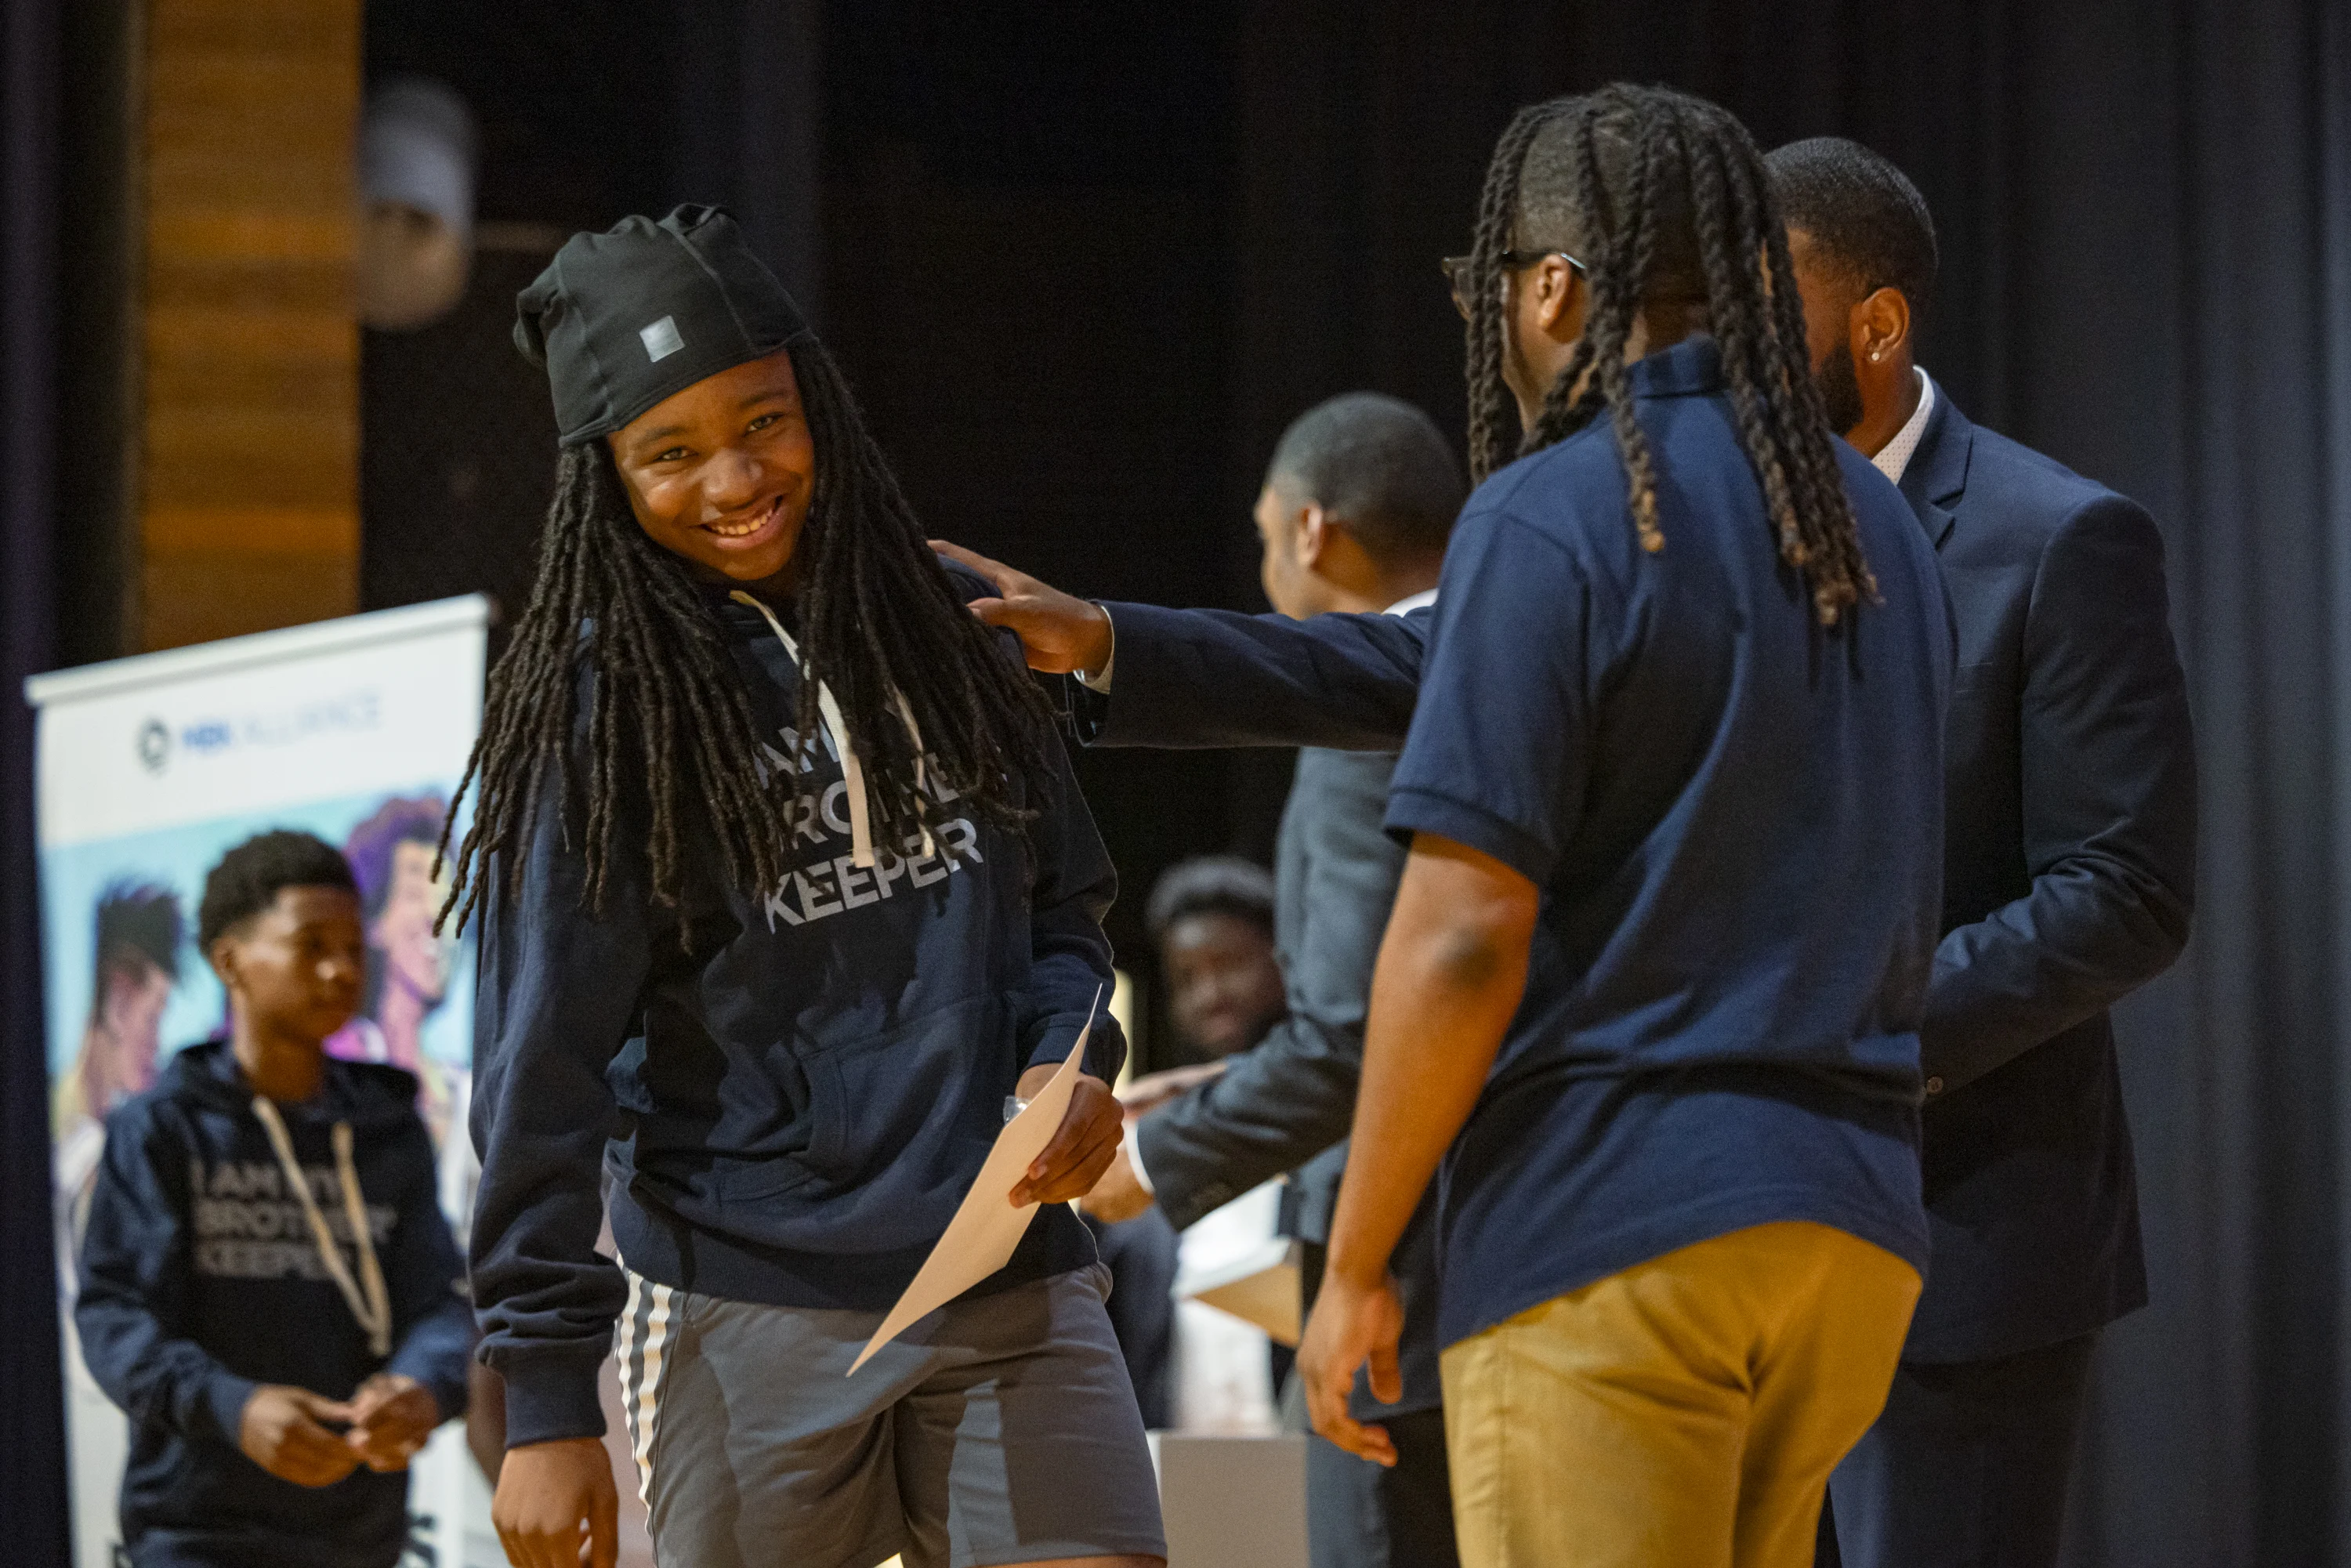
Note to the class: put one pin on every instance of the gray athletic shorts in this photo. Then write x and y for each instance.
(995, 1431)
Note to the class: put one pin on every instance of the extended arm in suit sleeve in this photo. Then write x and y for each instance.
(2109, 808)
(1194, 678)
(1292, 1096)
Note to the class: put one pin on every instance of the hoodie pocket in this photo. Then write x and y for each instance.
(751, 1181)
(917, 1097)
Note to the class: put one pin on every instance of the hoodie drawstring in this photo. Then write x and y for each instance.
(852, 770)
(373, 1308)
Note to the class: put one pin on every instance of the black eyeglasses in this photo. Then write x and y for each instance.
(1457, 270)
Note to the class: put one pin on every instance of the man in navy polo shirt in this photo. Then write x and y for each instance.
(1662, 944)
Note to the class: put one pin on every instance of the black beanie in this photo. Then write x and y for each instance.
(624, 318)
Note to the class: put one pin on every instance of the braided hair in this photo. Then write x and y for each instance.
(1666, 200)
(670, 727)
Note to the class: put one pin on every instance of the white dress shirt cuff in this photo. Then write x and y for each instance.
(1098, 681)
(1133, 1139)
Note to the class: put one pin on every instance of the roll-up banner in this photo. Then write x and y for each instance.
(149, 768)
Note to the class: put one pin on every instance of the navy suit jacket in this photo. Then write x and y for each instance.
(2068, 879)
(2069, 842)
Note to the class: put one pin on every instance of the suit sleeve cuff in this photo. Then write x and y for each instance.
(551, 1397)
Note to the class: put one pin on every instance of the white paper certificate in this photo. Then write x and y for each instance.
(980, 1239)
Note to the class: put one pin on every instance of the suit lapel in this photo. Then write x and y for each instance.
(1938, 475)
(1935, 520)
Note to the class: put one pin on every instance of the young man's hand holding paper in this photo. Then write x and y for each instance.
(1053, 1151)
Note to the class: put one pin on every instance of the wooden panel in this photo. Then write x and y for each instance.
(249, 480)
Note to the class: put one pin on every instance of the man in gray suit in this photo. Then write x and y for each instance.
(1356, 508)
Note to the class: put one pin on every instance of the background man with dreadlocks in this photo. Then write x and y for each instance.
(779, 858)
(2069, 878)
(1661, 947)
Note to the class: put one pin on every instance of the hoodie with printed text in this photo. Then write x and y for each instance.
(200, 1279)
(785, 1093)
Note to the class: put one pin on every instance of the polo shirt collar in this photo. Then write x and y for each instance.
(1692, 366)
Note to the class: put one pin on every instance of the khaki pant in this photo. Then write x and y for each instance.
(1685, 1413)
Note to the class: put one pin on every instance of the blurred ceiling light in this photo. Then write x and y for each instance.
(416, 194)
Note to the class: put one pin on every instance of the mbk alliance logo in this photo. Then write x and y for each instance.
(154, 745)
(317, 719)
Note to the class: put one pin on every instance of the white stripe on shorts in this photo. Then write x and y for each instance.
(625, 1352)
(640, 1353)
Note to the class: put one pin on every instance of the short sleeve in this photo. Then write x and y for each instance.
(1497, 754)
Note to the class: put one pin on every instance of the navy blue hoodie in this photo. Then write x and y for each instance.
(789, 1093)
(201, 1280)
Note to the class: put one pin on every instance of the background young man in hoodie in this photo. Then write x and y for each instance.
(269, 1289)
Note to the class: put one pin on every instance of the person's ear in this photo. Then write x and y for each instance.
(1881, 326)
(223, 958)
(1555, 284)
(1314, 533)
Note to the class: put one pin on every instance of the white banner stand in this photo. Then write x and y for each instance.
(148, 770)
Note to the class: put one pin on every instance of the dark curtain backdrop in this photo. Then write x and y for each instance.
(2145, 220)
(32, 1422)
(1237, 208)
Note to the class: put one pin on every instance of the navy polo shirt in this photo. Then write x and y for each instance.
(1735, 817)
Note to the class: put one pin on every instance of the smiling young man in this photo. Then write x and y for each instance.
(785, 888)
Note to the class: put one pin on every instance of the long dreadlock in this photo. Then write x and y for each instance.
(671, 724)
(1666, 200)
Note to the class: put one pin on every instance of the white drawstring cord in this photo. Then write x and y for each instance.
(914, 734)
(852, 772)
(372, 1307)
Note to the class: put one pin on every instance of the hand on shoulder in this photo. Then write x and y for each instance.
(1061, 634)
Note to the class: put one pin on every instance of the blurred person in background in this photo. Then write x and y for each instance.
(1357, 505)
(2069, 882)
(1210, 920)
(269, 1289)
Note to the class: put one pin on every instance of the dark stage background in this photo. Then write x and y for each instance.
(1084, 263)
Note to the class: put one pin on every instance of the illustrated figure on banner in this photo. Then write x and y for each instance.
(409, 964)
(137, 933)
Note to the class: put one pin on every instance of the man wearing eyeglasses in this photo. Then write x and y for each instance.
(1659, 953)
